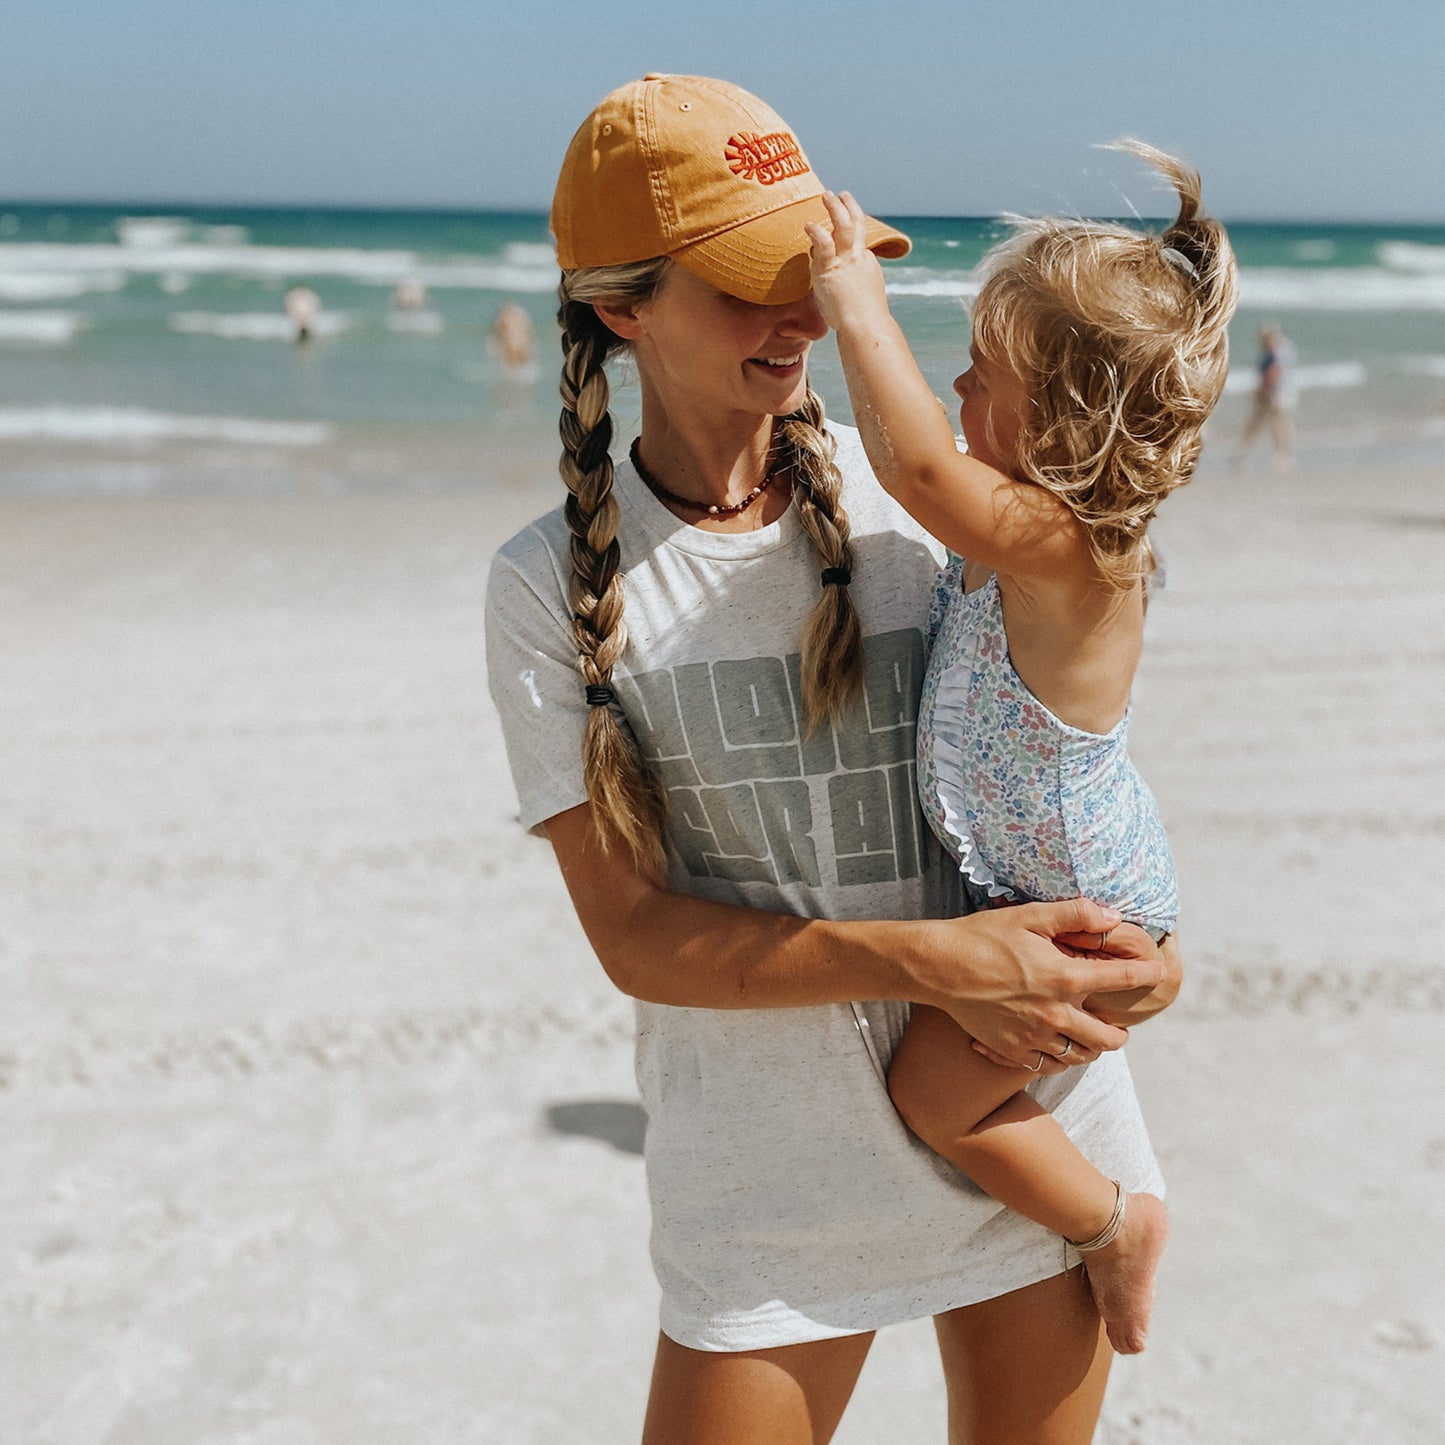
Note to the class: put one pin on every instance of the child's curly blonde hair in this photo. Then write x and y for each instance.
(1119, 338)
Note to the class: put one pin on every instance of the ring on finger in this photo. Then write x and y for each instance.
(1104, 938)
(1067, 1049)
(1040, 1064)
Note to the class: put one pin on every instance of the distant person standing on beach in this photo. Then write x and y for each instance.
(1274, 400)
(707, 665)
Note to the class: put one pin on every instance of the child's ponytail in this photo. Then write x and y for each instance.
(1194, 243)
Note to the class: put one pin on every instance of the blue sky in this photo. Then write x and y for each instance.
(1325, 110)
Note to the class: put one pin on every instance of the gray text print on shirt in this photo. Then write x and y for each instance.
(726, 739)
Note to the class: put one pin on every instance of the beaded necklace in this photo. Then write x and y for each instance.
(711, 508)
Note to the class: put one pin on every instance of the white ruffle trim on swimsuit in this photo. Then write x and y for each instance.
(950, 713)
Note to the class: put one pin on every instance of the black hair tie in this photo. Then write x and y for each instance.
(599, 695)
(839, 576)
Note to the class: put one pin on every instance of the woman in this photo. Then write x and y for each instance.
(707, 665)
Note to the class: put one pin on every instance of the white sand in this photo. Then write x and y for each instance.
(307, 1078)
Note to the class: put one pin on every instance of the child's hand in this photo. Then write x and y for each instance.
(847, 279)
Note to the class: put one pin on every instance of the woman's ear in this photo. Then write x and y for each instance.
(620, 318)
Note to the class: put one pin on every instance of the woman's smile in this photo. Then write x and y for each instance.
(785, 368)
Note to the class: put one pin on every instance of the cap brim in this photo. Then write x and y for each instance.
(766, 259)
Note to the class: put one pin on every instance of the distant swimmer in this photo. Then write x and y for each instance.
(303, 306)
(410, 295)
(1274, 400)
(513, 336)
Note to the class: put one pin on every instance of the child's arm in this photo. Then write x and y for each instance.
(1127, 1007)
(975, 510)
(1137, 1006)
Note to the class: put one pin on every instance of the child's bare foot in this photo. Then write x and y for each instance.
(1121, 1274)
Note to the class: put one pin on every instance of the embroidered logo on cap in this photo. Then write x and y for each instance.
(765, 158)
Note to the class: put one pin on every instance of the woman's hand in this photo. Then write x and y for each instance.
(847, 279)
(1119, 1007)
(1022, 988)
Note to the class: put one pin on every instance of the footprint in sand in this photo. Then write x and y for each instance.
(1404, 1335)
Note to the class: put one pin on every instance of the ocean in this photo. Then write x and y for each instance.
(144, 349)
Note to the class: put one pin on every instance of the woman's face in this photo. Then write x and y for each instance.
(702, 351)
(994, 402)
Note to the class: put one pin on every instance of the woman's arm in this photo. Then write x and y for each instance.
(998, 973)
(970, 507)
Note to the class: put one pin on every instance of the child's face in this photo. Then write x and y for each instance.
(992, 412)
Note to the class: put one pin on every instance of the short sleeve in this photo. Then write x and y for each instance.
(538, 692)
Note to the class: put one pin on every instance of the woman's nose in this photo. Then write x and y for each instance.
(960, 384)
(803, 319)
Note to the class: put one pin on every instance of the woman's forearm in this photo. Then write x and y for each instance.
(998, 973)
(672, 948)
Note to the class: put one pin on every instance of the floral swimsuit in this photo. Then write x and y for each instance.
(1030, 808)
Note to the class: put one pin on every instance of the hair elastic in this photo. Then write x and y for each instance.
(1180, 262)
(840, 576)
(599, 695)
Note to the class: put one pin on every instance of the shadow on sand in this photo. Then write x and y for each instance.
(614, 1121)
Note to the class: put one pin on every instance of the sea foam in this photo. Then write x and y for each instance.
(253, 325)
(1282, 288)
(134, 424)
(416, 323)
(42, 328)
(1326, 376)
(531, 269)
(1343, 288)
(56, 285)
(278, 263)
(922, 281)
(1412, 256)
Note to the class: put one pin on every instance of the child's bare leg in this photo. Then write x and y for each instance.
(975, 1114)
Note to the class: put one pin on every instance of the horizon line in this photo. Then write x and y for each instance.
(457, 209)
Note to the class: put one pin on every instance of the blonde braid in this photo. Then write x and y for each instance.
(628, 802)
(832, 639)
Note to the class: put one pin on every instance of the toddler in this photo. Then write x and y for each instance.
(1098, 352)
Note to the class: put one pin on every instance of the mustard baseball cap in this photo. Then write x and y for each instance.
(703, 172)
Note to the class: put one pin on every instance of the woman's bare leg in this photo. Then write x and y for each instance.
(1027, 1368)
(973, 1113)
(790, 1396)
